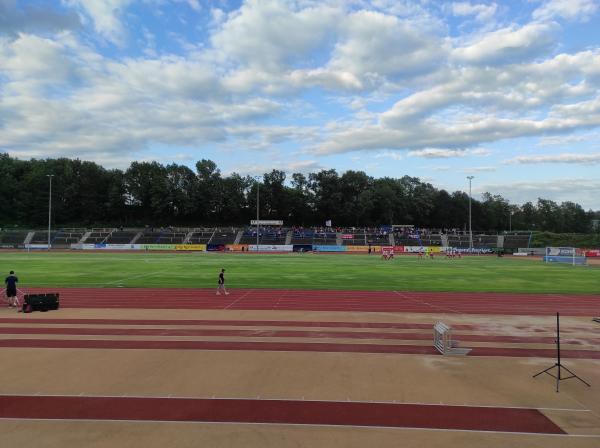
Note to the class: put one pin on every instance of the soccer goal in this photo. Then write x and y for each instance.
(569, 255)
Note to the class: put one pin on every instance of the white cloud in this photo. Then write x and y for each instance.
(478, 169)
(394, 155)
(507, 45)
(482, 12)
(566, 9)
(106, 16)
(583, 191)
(587, 159)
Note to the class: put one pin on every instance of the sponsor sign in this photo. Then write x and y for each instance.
(196, 247)
(387, 250)
(271, 248)
(36, 246)
(236, 247)
(347, 236)
(332, 248)
(266, 222)
(351, 248)
(121, 246)
(592, 253)
(157, 246)
(560, 251)
(399, 249)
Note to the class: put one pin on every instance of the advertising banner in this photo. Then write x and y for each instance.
(36, 246)
(347, 236)
(266, 222)
(156, 246)
(357, 248)
(398, 249)
(332, 248)
(592, 253)
(121, 246)
(303, 247)
(237, 247)
(560, 251)
(196, 247)
(271, 248)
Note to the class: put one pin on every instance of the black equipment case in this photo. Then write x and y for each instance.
(40, 302)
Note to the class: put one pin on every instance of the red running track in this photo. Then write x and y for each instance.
(325, 300)
(278, 412)
(286, 347)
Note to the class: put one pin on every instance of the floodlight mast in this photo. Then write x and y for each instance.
(470, 228)
(257, 211)
(50, 176)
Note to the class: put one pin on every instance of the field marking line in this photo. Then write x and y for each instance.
(324, 425)
(404, 296)
(131, 277)
(237, 300)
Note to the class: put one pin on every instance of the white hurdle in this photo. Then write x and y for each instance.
(443, 343)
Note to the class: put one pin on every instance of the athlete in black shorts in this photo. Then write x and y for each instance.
(11, 288)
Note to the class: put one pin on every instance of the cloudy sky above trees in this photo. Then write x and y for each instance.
(508, 92)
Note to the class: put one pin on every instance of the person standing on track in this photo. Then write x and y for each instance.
(11, 289)
(221, 286)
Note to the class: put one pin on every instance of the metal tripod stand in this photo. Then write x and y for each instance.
(557, 365)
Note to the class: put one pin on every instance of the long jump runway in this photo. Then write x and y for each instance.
(472, 418)
(330, 300)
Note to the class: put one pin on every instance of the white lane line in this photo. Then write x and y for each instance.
(236, 301)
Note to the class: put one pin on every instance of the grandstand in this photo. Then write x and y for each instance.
(41, 237)
(325, 238)
(97, 236)
(224, 236)
(12, 238)
(162, 236)
(121, 237)
(266, 235)
(65, 237)
(201, 236)
(302, 236)
(516, 241)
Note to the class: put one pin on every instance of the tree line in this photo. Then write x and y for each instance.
(149, 193)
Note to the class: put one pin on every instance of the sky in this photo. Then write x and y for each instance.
(506, 91)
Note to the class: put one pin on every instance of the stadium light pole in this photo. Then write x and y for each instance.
(49, 176)
(257, 210)
(470, 228)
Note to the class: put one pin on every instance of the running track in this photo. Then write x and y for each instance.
(472, 418)
(325, 300)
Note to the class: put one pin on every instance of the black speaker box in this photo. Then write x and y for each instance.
(40, 302)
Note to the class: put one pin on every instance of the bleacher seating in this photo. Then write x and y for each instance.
(224, 236)
(516, 241)
(201, 236)
(121, 237)
(98, 236)
(325, 238)
(41, 237)
(11, 238)
(66, 237)
(302, 236)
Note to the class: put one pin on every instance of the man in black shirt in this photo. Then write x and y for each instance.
(222, 283)
(11, 289)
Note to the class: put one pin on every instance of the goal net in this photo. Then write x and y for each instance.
(569, 255)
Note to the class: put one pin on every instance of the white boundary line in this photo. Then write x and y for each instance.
(207, 422)
(237, 300)
(130, 278)
(404, 296)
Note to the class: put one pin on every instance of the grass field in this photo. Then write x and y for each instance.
(297, 271)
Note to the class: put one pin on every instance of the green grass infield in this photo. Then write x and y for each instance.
(297, 271)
